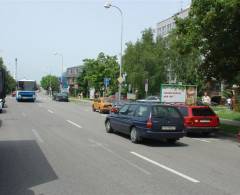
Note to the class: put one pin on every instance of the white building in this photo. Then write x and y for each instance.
(165, 26)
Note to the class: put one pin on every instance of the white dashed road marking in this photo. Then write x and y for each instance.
(166, 168)
(50, 111)
(75, 124)
(202, 140)
(98, 144)
(37, 136)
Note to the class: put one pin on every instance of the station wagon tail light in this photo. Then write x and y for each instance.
(149, 122)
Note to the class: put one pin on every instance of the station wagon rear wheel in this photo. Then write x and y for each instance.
(134, 135)
(108, 127)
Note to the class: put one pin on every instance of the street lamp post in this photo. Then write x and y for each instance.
(107, 6)
(59, 54)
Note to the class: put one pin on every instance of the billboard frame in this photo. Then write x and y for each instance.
(177, 86)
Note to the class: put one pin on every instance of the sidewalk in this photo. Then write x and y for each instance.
(230, 122)
(80, 100)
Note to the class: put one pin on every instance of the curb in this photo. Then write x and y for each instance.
(80, 101)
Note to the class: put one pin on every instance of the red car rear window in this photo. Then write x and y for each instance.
(202, 112)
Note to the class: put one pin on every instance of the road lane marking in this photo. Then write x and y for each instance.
(37, 136)
(202, 140)
(118, 156)
(166, 168)
(50, 111)
(75, 124)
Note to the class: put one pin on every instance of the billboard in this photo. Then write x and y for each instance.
(186, 94)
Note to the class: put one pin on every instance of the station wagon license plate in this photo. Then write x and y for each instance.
(169, 128)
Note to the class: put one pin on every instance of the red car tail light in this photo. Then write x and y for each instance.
(149, 122)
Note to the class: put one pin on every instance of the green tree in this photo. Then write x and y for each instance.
(144, 60)
(82, 82)
(213, 27)
(50, 80)
(10, 83)
(97, 69)
(184, 60)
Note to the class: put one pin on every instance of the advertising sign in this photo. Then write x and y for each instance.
(91, 93)
(186, 94)
(131, 96)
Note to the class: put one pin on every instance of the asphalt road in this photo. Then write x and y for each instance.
(57, 148)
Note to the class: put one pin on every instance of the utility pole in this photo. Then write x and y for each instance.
(16, 68)
(181, 5)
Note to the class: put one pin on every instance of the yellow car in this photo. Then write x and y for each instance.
(103, 105)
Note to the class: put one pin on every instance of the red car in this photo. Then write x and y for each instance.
(200, 119)
(13, 93)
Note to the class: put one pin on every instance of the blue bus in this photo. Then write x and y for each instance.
(26, 90)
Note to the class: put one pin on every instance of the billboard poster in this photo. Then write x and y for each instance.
(92, 93)
(191, 95)
(186, 94)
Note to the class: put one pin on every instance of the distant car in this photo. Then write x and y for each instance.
(103, 105)
(200, 119)
(147, 120)
(62, 96)
(14, 94)
(116, 105)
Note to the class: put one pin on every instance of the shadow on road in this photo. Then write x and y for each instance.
(3, 111)
(154, 143)
(200, 135)
(26, 101)
(159, 143)
(22, 166)
(218, 135)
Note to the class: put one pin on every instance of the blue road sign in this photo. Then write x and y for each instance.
(106, 82)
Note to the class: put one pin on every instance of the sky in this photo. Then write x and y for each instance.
(33, 30)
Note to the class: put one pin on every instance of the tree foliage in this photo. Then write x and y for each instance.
(10, 83)
(213, 27)
(50, 80)
(95, 70)
(184, 59)
(145, 60)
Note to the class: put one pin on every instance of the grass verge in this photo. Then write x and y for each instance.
(229, 129)
(225, 113)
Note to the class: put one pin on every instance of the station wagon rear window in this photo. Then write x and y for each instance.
(142, 111)
(202, 112)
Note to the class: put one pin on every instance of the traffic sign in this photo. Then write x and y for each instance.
(106, 82)
(146, 85)
(120, 80)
